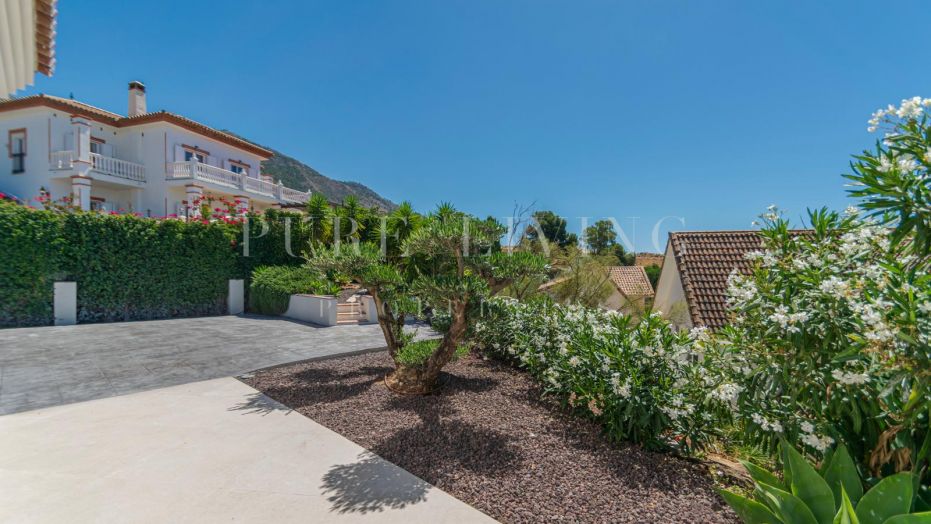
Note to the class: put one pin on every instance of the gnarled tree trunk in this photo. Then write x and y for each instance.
(420, 380)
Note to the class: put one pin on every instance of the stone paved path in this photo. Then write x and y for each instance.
(48, 366)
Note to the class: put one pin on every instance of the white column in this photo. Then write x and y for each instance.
(371, 312)
(81, 128)
(81, 192)
(66, 303)
(193, 193)
(236, 297)
(137, 201)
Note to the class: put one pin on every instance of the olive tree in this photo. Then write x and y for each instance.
(452, 264)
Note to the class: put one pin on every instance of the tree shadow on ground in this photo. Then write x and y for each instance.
(371, 484)
(438, 446)
(259, 404)
(443, 441)
(321, 386)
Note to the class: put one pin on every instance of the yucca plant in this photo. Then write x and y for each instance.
(832, 495)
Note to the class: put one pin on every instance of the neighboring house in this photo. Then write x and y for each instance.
(693, 284)
(631, 290)
(633, 293)
(649, 259)
(155, 164)
(27, 42)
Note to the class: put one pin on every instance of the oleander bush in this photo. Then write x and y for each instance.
(126, 267)
(641, 380)
(271, 287)
(829, 343)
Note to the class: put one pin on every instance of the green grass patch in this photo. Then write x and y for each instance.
(416, 353)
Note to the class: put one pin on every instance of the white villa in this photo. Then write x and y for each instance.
(154, 164)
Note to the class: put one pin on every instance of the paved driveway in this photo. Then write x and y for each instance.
(48, 366)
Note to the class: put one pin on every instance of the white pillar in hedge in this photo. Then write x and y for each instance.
(235, 300)
(66, 303)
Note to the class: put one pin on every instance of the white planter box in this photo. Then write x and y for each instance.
(315, 309)
(368, 307)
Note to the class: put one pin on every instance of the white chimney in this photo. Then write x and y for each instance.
(136, 98)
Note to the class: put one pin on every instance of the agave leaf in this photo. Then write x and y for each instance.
(749, 511)
(891, 497)
(761, 476)
(826, 462)
(914, 518)
(842, 475)
(808, 485)
(846, 513)
(789, 508)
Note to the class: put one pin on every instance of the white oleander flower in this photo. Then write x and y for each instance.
(835, 286)
(849, 378)
(819, 443)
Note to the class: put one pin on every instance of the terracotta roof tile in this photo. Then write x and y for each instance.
(632, 281)
(705, 259)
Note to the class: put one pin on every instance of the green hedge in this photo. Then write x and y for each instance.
(127, 268)
(267, 241)
(30, 246)
(272, 286)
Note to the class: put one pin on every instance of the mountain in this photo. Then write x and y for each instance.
(298, 175)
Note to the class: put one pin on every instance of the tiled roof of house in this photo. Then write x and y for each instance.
(705, 259)
(631, 281)
(116, 120)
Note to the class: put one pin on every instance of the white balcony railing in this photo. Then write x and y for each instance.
(238, 181)
(62, 160)
(118, 168)
(101, 164)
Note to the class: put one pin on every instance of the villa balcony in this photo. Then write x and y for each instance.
(114, 169)
(261, 188)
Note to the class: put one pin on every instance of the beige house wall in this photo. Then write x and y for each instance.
(670, 295)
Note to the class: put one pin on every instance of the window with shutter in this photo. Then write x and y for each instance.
(17, 147)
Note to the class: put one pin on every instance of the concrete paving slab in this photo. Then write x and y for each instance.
(211, 451)
(47, 366)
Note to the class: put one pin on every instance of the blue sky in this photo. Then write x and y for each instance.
(709, 111)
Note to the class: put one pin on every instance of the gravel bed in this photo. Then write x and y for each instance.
(486, 438)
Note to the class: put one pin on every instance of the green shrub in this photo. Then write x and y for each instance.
(417, 352)
(268, 243)
(272, 286)
(126, 267)
(30, 246)
(640, 380)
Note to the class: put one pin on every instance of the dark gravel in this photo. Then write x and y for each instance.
(487, 439)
